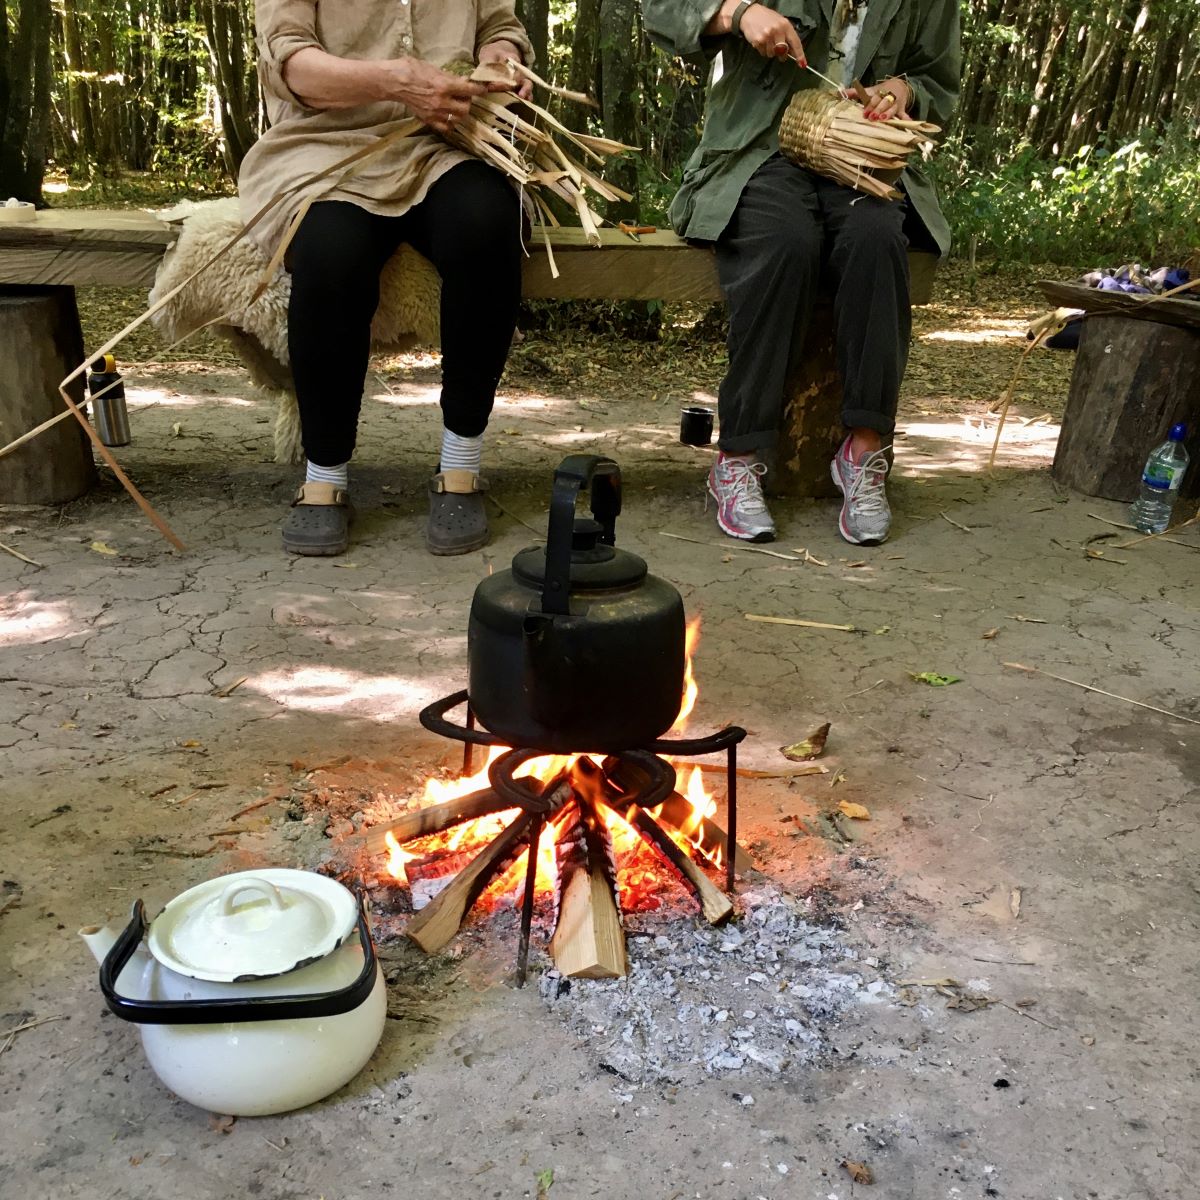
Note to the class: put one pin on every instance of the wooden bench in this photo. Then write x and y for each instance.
(41, 263)
(1136, 373)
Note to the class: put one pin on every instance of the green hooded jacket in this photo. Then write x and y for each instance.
(916, 39)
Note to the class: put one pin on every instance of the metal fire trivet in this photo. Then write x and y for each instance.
(655, 782)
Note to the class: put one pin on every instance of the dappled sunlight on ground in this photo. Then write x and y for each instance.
(25, 620)
(964, 445)
(344, 692)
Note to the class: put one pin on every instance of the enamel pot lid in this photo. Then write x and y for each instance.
(253, 925)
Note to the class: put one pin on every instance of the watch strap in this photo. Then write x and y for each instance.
(735, 21)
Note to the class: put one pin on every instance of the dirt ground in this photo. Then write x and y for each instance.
(1032, 840)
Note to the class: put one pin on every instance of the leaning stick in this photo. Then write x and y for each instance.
(1008, 395)
(1087, 687)
(433, 818)
(1151, 536)
(714, 904)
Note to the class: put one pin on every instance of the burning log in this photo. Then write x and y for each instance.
(435, 925)
(679, 813)
(589, 942)
(434, 818)
(715, 905)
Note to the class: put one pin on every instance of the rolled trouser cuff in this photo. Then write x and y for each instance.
(868, 418)
(745, 443)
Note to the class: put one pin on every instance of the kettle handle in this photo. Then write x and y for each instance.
(576, 473)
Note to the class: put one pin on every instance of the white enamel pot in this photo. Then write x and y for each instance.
(257, 992)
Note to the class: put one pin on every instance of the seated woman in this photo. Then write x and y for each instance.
(777, 226)
(337, 75)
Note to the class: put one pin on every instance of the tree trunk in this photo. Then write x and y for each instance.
(24, 99)
(535, 16)
(40, 344)
(618, 95)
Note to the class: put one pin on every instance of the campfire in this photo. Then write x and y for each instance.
(580, 826)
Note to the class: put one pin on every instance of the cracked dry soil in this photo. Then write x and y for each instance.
(1035, 841)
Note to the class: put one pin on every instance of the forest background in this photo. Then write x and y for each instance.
(1077, 139)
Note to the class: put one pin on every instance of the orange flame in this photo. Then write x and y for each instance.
(691, 689)
(397, 857)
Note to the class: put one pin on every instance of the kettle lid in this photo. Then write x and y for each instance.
(595, 567)
(253, 924)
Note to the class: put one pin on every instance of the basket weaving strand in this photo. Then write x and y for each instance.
(829, 135)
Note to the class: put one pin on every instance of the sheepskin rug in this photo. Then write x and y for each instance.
(407, 316)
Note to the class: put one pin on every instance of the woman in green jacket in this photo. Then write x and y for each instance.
(776, 227)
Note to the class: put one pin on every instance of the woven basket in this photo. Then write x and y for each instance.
(829, 135)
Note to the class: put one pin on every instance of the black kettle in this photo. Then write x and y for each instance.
(577, 647)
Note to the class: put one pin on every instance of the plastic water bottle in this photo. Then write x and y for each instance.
(1161, 477)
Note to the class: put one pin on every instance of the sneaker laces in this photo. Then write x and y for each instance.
(742, 479)
(867, 482)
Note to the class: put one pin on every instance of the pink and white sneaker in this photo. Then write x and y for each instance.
(866, 517)
(736, 485)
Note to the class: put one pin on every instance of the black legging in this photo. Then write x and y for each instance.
(469, 227)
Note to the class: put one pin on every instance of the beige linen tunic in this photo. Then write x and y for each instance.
(303, 141)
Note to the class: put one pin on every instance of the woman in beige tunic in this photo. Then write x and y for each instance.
(339, 75)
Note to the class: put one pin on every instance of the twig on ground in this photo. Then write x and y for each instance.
(732, 546)
(799, 622)
(1150, 537)
(751, 773)
(241, 812)
(956, 524)
(230, 688)
(10, 1035)
(1087, 687)
(1006, 962)
(1162, 537)
(17, 553)
(1022, 1013)
(519, 520)
(863, 691)
(1027, 620)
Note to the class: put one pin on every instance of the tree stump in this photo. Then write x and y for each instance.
(812, 420)
(40, 344)
(1133, 380)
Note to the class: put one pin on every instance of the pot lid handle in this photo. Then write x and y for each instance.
(576, 473)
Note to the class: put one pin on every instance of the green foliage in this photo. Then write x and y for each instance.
(1139, 202)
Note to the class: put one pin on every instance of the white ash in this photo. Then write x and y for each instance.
(755, 997)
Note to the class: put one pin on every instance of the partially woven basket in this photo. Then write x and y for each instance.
(828, 134)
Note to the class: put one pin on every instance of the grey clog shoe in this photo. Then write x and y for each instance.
(319, 521)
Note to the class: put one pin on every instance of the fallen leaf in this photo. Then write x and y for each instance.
(103, 548)
(190, 744)
(862, 562)
(1027, 1002)
(727, 558)
(840, 777)
(991, 633)
(68, 725)
(934, 679)
(220, 1124)
(136, 1160)
(907, 997)
(883, 629)
(511, 432)
(177, 429)
(859, 1172)
(1014, 902)
(813, 746)
(545, 1181)
(970, 1002)
(856, 812)
(1088, 1040)
(346, 566)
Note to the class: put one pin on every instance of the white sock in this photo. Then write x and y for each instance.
(461, 453)
(339, 476)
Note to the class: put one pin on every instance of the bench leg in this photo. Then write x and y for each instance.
(40, 344)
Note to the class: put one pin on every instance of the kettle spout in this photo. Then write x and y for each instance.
(99, 940)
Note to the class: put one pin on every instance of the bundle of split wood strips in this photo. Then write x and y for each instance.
(830, 135)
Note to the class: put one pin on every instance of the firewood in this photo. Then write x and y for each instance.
(425, 821)
(715, 905)
(434, 926)
(589, 942)
(677, 812)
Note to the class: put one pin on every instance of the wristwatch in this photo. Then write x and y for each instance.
(735, 21)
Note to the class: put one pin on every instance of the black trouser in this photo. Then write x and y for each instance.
(469, 227)
(789, 226)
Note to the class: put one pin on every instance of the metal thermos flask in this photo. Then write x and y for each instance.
(107, 391)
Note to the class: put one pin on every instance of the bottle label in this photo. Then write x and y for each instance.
(1162, 478)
